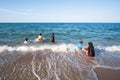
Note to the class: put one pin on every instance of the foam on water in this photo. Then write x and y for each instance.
(45, 64)
(113, 48)
(103, 54)
(32, 48)
(108, 67)
(33, 68)
(54, 47)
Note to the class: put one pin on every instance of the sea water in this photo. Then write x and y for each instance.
(59, 61)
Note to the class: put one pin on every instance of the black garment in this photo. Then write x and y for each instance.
(91, 51)
(53, 39)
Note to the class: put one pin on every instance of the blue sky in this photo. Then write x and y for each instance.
(59, 10)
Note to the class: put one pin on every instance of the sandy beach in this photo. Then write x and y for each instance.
(107, 74)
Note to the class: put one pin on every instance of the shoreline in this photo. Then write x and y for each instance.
(107, 74)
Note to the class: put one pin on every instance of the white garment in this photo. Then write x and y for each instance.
(39, 37)
(25, 42)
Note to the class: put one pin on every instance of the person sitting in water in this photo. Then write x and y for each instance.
(80, 47)
(26, 41)
(53, 38)
(39, 39)
(90, 50)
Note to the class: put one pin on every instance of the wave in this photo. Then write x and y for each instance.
(113, 48)
(32, 48)
(55, 48)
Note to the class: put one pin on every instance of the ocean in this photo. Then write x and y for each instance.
(59, 61)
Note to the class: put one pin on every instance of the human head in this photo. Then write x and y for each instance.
(52, 33)
(26, 39)
(40, 34)
(90, 43)
(81, 42)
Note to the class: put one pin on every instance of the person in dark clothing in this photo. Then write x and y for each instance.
(53, 38)
(26, 41)
(90, 50)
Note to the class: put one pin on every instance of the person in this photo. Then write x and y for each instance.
(39, 39)
(80, 47)
(53, 38)
(26, 41)
(90, 50)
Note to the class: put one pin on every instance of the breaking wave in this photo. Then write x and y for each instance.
(113, 48)
(42, 62)
(32, 48)
(54, 48)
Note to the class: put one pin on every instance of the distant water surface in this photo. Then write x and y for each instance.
(99, 33)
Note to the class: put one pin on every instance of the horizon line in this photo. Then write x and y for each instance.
(59, 22)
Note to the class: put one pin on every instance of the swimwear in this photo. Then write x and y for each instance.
(25, 42)
(80, 47)
(91, 51)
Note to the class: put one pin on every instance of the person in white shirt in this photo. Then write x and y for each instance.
(26, 41)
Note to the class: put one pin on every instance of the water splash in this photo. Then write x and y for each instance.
(113, 48)
(32, 48)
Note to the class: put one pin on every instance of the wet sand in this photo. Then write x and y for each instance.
(44, 65)
(107, 74)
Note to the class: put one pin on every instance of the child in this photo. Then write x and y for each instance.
(90, 50)
(80, 47)
(26, 41)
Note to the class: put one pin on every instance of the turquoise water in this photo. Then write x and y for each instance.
(60, 61)
(98, 33)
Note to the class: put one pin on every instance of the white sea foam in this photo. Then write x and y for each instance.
(54, 48)
(108, 67)
(113, 48)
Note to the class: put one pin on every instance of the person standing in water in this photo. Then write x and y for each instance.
(53, 38)
(26, 41)
(39, 38)
(90, 50)
(80, 47)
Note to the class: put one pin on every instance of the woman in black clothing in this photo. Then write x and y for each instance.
(90, 50)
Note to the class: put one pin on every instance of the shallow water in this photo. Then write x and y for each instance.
(47, 61)
(106, 34)
(45, 65)
(48, 64)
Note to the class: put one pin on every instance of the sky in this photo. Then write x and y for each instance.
(60, 11)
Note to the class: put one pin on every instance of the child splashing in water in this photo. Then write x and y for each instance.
(80, 47)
